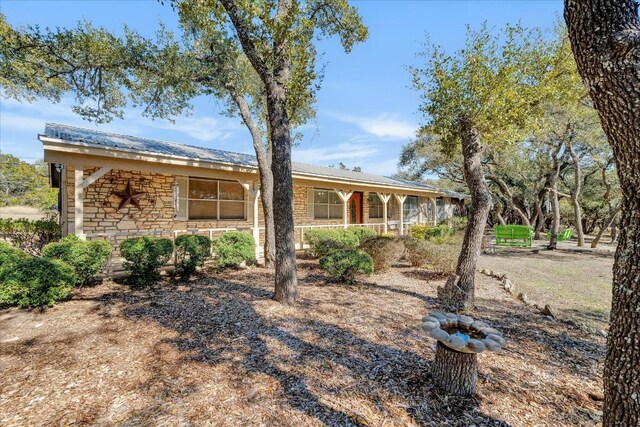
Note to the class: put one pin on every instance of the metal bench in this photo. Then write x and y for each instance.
(513, 235)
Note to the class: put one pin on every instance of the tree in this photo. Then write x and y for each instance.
(22, 183)
(605, 39)
(483, 97)
(259, 56)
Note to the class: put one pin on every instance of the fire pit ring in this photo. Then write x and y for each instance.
(462, 333)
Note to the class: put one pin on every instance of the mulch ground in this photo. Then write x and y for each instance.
(218, 351)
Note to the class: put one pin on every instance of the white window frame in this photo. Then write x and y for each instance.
(406, 214)
(216, 201)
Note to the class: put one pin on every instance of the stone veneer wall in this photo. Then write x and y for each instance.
(102, 216)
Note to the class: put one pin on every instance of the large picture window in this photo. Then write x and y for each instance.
(325, 204)
(211, 199)
(376, 207)
(410, 209)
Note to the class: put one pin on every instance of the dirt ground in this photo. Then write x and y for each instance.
(217, 351)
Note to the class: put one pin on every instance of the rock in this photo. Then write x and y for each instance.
(492, 345)
(430, 319)
(441, 318)
(491, 331)
(243, 265)
(478, 325)
(452, 319)
(427, 326)
(439, 334)
(523, 297)
(548, 312)
(484, 271)
(464, 321)
(602, 332)
(476, 345)
(507, 284)
(497, 338)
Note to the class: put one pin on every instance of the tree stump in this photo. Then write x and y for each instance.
(454, 372)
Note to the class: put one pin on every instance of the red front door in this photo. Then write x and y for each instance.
(354, 208)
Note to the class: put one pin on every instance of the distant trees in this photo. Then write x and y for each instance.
(23, 183)
(561, 159)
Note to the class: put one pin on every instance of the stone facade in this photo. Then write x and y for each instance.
(104, 219)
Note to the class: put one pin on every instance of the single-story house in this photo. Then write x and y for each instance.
(118, 186)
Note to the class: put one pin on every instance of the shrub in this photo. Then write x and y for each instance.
(10, 254)
(419, 231)
(233, 248)
(442, 258)
(35, 282)
(345, 265)
(416, 251)
(344, 238)
(362, 233)
(443, 231)
(459, 222)
(87, 257)
(30, 235)
(383, 250)
(326, 246)
(144, 256)
(191, 252)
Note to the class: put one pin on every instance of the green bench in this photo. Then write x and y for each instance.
(565, 235)
(513, 235)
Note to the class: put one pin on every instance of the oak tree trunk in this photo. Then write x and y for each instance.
(553, 198)
(575, 194)
(608, 223)
(454, 372)
(459, 291)
(605, 39)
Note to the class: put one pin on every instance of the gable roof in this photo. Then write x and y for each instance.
(74, 135)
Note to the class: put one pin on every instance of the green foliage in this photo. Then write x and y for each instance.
(384, 251)
(417, 251)
(363, 233)
(233, 248)
(192, 251)
(144, 256)
(420, 231)
(459, 223)
(22, 183)
(344, 265)
(30, 281)
(87, 257)
(10, 254)
(30, 235)
(321, 241)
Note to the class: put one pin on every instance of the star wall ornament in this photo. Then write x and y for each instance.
(129, 196)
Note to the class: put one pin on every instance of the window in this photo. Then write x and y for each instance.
(324, 204)
(199, 198)
(376, 207)
(410, 209)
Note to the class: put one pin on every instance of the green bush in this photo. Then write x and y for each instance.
(144, 256)
(443, 231)
(10, 254)
(233, 248)
(459, 222)
(30, 235)
(87, 257)
(35, 282)
(383, 250)
(191, 252)
(419, 231)
(416, 251)
(341, 238)
(362, 233)
(345, 265)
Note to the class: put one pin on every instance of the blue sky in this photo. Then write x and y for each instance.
(366, 109)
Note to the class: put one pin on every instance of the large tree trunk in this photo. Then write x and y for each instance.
(553, 197)
(512, 201)
(540, 217)
(459, 291)
(605, 38)
(605, 225)
(575, 194)
(454, 372)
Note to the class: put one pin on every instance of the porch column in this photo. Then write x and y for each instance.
(344, 196)
(253, 188)
(385, 200)
(434, 210)
(401, 199)
(80, 183)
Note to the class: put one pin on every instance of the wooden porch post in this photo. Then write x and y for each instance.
(253, 188)
(401, 199)
(344, 196)
(434, 210)
(385, 200)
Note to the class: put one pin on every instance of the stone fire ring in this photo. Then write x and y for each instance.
(451, 329)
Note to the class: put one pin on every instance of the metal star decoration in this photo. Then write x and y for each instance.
(129, 196)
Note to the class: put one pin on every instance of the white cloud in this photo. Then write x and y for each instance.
(383, 125)
(332, 153)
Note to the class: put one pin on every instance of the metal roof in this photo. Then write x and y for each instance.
(74, 135)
